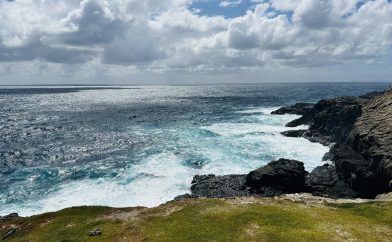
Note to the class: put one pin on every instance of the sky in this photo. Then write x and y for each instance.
(194, 41)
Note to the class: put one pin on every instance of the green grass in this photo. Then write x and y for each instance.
(214, 220)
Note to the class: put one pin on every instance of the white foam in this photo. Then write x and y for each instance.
(265, 111)
(157, 180)
(264, 139)
(241, 147)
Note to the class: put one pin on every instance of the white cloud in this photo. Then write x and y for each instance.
(231, 3)
(166, 37)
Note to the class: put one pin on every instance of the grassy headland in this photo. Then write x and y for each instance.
(241, 219)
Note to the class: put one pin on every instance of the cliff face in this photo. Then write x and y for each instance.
(365, 159)
(372, 134)
(360, 132)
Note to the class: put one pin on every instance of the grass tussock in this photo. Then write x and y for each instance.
(213, 220)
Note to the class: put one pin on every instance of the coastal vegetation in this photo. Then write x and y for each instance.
(239, 219)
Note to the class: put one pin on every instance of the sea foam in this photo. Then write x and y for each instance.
(221, 148)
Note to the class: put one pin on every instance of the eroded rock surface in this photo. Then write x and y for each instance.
(219, 186)
(366, 157)
(360, 129)
(324, 181)
(282, 176)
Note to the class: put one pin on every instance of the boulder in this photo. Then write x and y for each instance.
(9, 217)
(324, 181)
(280, 176)
(218, 186)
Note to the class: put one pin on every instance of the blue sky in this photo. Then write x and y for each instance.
(238, 8)
(212, 8)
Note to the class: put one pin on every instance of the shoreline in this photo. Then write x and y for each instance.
(281, 197)
(360, 139)
(323, 181)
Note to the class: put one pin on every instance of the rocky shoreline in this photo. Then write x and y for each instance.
(359, 132)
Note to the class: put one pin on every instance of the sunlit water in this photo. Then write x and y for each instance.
(63, 147)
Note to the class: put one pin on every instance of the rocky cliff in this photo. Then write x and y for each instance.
(365, 158)
(359, 130)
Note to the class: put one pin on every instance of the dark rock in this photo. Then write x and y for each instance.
(335, 118)
(361, 128)
(9, 217)
(298, 109)
(330, 120)
(219, 186)
(357, 172)
(95, 232)
(294, 133)
(324, 181)
(316, 137)
(284, 176)
(10, 232)
(327, 156)
(371, 137)
(306, 110)
(300, 121)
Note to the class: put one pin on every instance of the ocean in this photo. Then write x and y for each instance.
(142, 145)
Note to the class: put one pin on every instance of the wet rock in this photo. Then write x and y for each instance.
(300, 121)
(327, 156)
(95, 232)
(281, 176)
(294, 133)
(219, 186)
(324, 181)
(298, 109)
(330, 120)
(335, 118)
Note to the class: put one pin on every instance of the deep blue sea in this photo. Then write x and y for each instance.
(141, 146)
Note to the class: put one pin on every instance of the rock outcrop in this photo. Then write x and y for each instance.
(219, 186)
(277, 177)
(360, 129)
(9, 217)
(324, 181)
(330, 120)
(365, 158)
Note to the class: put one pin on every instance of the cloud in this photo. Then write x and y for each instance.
(92, 24)
(231, 3)
(167, 36)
